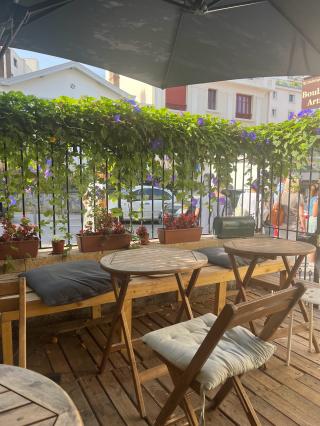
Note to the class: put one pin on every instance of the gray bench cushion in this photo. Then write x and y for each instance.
(217, 256)
(68, 282)
(237, 352)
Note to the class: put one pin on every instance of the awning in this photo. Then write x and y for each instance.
(173, 42)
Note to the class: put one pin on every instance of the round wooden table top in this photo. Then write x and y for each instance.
(267, 247)
(28, 397)
(153, 261)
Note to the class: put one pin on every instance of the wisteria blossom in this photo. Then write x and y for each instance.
(156, 144)
(13, 201)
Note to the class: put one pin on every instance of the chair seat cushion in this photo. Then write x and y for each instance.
(237, 352)
(217, 256)
(68, 282)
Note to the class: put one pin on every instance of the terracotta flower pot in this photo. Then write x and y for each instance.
(144, 240)
(57, 247)
(172, 236)
(103, 242)
(19, 249)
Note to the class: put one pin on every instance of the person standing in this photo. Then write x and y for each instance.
(313, 208)
(292, 203)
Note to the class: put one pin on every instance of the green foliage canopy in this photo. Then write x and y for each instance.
(44, 144)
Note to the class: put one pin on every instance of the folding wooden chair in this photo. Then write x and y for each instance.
(13, 298)
(209, 351)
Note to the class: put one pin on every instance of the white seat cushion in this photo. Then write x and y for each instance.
(238, 351)
(312, 295)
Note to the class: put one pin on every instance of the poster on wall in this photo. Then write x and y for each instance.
(310, 93)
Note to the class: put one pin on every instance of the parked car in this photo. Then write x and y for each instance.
(145, 196)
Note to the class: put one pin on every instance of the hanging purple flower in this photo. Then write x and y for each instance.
(212, 195)
(130, 101)
(48, 173)
(149, 178)
(306, 113)
(13, 201)
(268, 141)
(244, 134)
(194, 202)
(137, 109)
(233, 121)
(166, 157)
(117, 118)
(252, 136)
(254, 185)
(33, 170)
(49, 162)
(156, 144)
(291, 116)
(214, 181)
(200, 121)
(221, 201)
(156, 184)
(28, 190)
(181, 113)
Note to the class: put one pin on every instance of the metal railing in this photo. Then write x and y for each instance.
(251, 191)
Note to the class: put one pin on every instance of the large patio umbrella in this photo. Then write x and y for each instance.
(171, 42)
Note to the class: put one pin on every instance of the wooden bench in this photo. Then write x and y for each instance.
(139, 287)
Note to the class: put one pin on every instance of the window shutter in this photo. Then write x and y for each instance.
(176, 98)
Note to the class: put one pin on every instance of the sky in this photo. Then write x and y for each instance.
(46, 61)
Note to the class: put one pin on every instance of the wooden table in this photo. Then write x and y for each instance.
(140, 286)
(27, 397)
(158, 261)
(268, 248)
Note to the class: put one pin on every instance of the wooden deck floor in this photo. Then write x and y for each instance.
(281, 395)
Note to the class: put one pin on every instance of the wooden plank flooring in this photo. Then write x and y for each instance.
(281, 395)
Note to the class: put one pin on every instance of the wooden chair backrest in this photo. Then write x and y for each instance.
(13, 298)
(275, 306)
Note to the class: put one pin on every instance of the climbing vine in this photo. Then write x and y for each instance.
(47, 146)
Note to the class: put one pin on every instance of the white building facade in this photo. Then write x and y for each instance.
(251, 101)
(68, 79)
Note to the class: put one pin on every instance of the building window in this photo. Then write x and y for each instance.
(274, 95)
(291, 98)
(274, 112)
(15, 62)
(212, 99)
(244, 106)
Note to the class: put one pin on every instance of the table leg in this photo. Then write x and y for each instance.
(242, 284)
(7, 348)
(220, 297)
(290, 272)
(185, 294)
(120, 314)
(120, 297)
(96, 312)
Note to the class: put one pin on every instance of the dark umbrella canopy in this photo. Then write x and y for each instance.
(165, 43)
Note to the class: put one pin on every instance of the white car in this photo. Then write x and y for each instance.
(142, 203)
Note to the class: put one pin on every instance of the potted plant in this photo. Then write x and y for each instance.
(181, 229)
(143, 235)
(19, 241)
(107, 233)
(57, 245)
